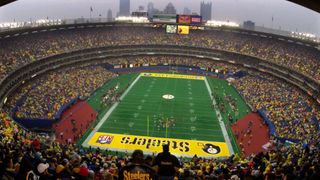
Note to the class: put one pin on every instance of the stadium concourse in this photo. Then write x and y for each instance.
(291, 111)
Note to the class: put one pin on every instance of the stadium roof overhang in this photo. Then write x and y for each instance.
(311, 4)
(4, 2)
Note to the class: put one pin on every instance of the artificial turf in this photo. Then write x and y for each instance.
(122, 80)
(191, 108)
(141, 109)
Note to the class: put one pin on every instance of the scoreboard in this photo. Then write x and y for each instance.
(182, 29)
(189, 19)
(183, 19)
(171, 29)
(182, 24)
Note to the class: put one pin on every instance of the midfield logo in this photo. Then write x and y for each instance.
(211, 149)
(103, 139)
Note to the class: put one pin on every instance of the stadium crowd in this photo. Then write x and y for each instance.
(174, 60)
(24, 155)
(43, 97)
(291, 111)
(17, 51)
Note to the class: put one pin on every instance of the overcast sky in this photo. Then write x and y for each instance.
(286, 15)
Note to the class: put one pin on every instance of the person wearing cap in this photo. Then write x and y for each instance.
(42, 169)
(137, 169)
(166, 164)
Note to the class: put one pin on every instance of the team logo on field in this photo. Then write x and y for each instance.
(211, 149)
(105, 139)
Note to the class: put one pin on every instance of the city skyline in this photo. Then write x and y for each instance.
(124, 8)
(206, 10)
(277, 14)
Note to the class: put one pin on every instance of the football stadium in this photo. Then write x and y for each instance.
(176, 108)
(156, 94)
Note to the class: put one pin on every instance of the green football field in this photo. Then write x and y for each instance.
(143, 111)
(190, 115)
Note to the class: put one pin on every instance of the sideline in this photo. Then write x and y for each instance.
(105, 117)
(221, 123)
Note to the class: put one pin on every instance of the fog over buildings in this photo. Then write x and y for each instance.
(279, 14)
(124, 8)
(206, 10)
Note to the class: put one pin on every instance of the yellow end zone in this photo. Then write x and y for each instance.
(187, 148)
(179, 76)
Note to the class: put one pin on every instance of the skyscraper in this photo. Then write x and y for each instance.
(170, 9)
(151, 10)
(124, 9)
(206, 10)
(109, 15)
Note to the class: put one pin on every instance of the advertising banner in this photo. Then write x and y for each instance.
(183, 29)
(164, 18)
(195, 20)
(172, 29)
(184, 19)
(183, 147)
(178, 76)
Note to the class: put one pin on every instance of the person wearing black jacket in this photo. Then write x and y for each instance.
(137, 169)
(166, 164)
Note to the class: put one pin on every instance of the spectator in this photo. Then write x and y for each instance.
(17, 51)
(51, 91)
(288, 108)
(291, 111)
(282, 161)
(105, 172)
(166, 164)
(43, 171)
(137, 169)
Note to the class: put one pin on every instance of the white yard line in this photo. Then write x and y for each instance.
(105, 117)
(221, 123)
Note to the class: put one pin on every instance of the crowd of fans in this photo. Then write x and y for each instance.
(112, 95)
(17, 51)
(43, 97)
(291, 111)
(175, 60)
(23, 154)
